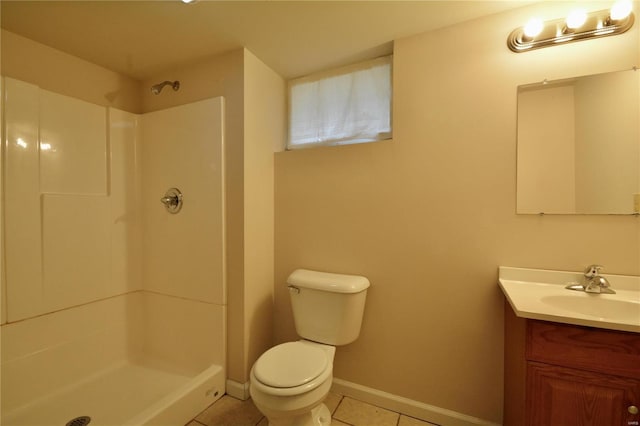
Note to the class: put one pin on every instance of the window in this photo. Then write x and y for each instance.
(344, 106)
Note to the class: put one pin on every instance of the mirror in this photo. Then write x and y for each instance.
(579, 145)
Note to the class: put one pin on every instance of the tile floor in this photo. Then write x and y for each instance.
(345, 411)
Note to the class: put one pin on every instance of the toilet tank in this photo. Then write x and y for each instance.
(327, 308)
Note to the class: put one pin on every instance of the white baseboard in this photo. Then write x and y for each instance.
(406, 406)
(238, 390)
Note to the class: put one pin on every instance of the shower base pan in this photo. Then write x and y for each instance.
(126, 394)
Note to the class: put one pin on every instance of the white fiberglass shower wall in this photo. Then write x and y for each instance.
(112, 308)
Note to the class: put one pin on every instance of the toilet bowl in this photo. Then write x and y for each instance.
(290, 381)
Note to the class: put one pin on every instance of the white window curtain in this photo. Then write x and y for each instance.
(349, 105)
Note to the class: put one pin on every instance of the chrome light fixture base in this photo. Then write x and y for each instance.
(555, 32)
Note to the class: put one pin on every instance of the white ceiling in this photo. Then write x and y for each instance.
(141, 38)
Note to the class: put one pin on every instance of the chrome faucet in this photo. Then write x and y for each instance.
(594, 282)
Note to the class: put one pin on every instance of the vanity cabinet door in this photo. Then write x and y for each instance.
(568, 397)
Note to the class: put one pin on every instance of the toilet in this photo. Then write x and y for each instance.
(290, 381)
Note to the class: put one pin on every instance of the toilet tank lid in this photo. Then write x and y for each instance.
(326, 281)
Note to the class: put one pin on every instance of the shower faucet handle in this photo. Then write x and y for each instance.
(172, 200)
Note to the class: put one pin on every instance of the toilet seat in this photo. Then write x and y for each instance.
(291, 368)
(290, 364)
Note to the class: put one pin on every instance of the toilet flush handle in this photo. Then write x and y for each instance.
(293, 289)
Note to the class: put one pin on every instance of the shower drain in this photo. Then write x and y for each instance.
(79, 421)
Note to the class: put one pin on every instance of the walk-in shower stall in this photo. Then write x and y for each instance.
(113, 305)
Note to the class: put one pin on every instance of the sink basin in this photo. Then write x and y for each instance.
(595, 306)
(541, 294)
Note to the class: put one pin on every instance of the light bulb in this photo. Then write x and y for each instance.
(576, 18)
(533, 27)
(620, 10)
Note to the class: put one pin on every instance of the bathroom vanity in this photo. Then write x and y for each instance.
(564, 367)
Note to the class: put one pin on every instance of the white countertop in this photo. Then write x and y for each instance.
(541, 294)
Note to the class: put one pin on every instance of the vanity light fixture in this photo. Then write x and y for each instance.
(620, 10)
(575, 19)
(533, 28)
(579, 25)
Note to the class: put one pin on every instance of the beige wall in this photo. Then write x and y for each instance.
(264, 124)
(3, 284)
(429, 216)
(59, 72)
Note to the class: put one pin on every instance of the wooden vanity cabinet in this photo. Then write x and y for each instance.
(566, 375)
